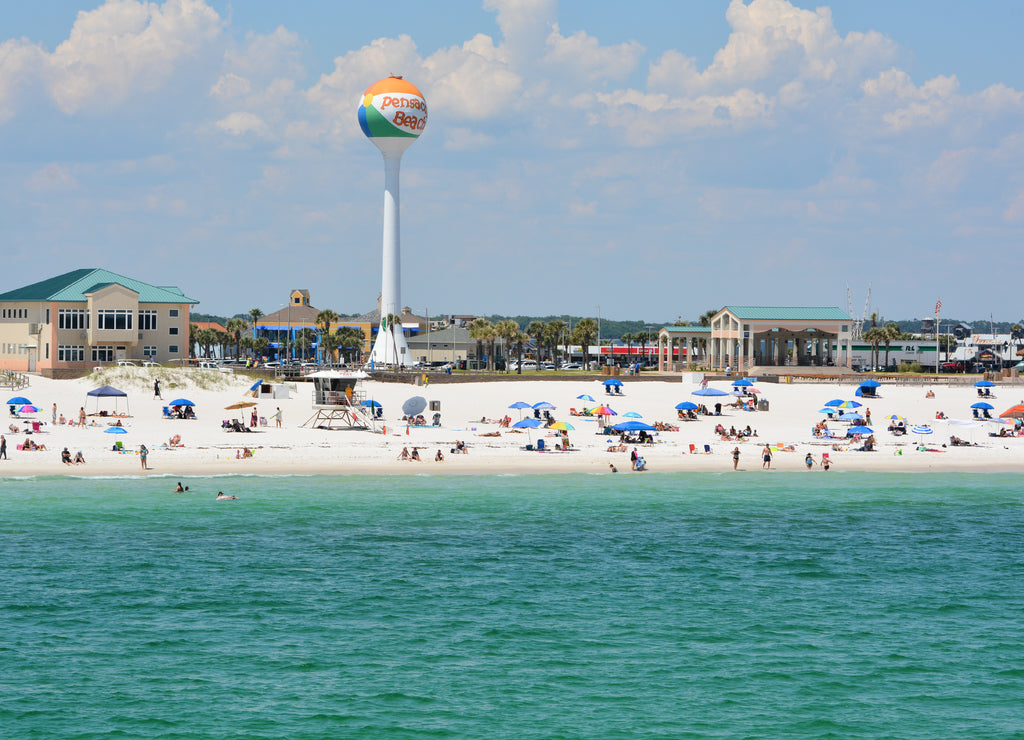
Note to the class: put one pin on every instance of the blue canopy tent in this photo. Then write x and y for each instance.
(108, 391)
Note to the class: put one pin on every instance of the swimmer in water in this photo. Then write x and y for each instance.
(221, 496)
(179, 489)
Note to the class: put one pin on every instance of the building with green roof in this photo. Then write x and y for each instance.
(88, 317)
(744, 337)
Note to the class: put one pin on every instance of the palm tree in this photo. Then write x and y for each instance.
(304, 339)
(584, 334)
(507, 331)
(236, 327)
(518, 337)
(553, 332)
(875, 335)
(193, 330)
(480, 330)
(643, 338)
(350, 338)
(329, 343)
(890, 332)
(705, 318)
(255, 315)
(260, 345)
(323, 321)
(536, 331)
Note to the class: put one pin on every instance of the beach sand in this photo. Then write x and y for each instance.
(467, 411)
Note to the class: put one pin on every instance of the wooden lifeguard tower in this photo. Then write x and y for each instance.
(337, 402)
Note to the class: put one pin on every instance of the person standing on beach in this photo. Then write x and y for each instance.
(277, 417)
(143, 454)
(735, 457)
(766, 456)
(156, 390)
(81, 416)
(3, 447)
(55, 414)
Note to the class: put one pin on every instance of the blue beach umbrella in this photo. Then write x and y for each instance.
(371, 404)
(686, 406)
(922, 429)
(585, 397)
(835, 402)
(982, 405)
(181, 402)
(632, 415)
(853, 431)
(527, 424)
(827, 410)
(611, 381)
(853, 416)
(710, 392)
(633, 426)
(18, 400)
(984, 384)
(520, 405)
(870, 384)
(542, 405)
(849, 405)
(744, 383)
(115, 430)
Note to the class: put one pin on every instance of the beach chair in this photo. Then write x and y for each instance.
(693, 449)
(167, 413)
(35, 426)
(263, 421)
(707, 449)
(540, 445)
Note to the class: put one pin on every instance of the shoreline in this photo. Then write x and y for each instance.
(471, 412)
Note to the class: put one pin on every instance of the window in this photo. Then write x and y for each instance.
(103, 353)
(149, 350)
(47, 316)
(120, 318)
(173, 331)
(173, 349)
(72, 318)
(173, 313)
(70, 353)
(147, 320)
(47, 350)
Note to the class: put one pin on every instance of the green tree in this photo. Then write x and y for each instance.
(236, 328)
(874, 336)
(536, 330)
(304, 339)
(584, 335)
(705, 318)
(890, 333)
(193, 330)
(255, 315)
(323, 322)
(554, 330)
(350, 341)
(482, 331)
(261, 345)
(506, 330)
(643, 338)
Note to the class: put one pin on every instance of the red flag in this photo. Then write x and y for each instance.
(938, 305)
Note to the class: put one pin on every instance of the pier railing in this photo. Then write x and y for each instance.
(13, 380)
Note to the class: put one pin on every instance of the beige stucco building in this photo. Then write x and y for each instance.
(88, 317)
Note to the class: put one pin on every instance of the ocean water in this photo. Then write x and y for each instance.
(817, 605)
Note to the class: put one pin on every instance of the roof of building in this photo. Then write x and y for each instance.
(447, 335)
(72, 287)
(209, 325)
(693, 329)
(788, 313)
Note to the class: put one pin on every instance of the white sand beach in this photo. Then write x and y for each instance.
(470, 412)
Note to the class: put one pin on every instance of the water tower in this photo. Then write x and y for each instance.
(392, 114)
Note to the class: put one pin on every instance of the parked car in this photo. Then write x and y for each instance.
(571, 366)
(126, 363)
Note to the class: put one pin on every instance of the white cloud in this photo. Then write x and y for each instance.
(126, 47)
(582, 56)
(51, 178)
(241, 123)
(464, 139)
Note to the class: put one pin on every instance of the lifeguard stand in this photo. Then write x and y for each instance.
(338, 402)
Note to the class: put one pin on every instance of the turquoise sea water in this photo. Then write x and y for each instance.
(815, 605)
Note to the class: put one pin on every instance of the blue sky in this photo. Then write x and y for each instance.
(656, 162)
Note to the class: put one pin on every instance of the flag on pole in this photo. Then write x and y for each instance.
(938, 305)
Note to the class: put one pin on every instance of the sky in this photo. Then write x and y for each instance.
(578, 159)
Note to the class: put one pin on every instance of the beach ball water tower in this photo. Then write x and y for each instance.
(392, 114)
